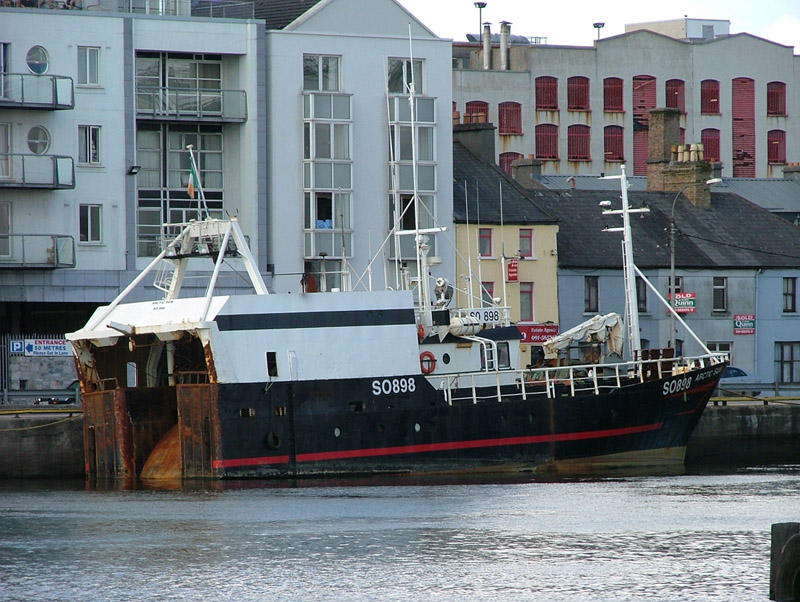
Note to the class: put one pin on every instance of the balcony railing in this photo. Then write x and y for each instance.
(221, 9)
(28, 91)
(328, 241)
(36, 171)
(42, 251)
(191, 104)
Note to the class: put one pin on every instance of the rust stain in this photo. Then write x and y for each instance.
(210, 366)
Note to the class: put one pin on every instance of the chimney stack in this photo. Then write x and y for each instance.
(487, 46)
(505, 34)
(478, 138)
(524, 171)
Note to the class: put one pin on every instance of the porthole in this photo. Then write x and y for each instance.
(417, 427)
(37, 60)
(337, 432)
(446, 358)
(38, 140)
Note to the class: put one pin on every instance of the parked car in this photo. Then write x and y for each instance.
(736, 380)
(69, 396)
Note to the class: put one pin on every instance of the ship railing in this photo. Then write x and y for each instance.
(554, 381)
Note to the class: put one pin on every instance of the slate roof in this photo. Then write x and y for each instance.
(518, 208)
(280, 13)
(732, 233)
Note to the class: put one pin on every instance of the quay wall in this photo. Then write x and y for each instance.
(51, 444)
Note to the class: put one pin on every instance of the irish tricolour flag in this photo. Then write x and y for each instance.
(194, 182)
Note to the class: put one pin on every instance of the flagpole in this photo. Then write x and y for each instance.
(194, 177)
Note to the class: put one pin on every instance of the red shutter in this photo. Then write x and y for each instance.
(578, 93)
(546, 93)
(710, 139)
(644, 99)
(744, 127)
(613, 147)
(776, 147)
(612, 95)
(506, 159)
(546, 141)
(709, 97)
(510, 118)
(776, 98)
(676, 97)
(476, 111)
(578, 142)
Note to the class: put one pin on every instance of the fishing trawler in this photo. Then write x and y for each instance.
(365, 382)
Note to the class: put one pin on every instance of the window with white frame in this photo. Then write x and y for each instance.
(89, 144)
(321, 73)
(526, 313)
(719, 294)
(5, 150)
(789, 295)
(526, 242)
(90, 223)
(5, 229)
(487, 294)
(401, 75)
(3, 69)
(721, 347)
(88, 66)
(485, 242)
(38, 60)
(590, 294)
(787, 361)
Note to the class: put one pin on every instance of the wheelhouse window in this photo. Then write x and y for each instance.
(89, 144)
(578, 93)
(710, 139)
(546, 88)
(510, 118)
(613, 95)
(709, 97)
(90, 223)
(578, 142)
(526, 302)
(485, 242)
(88, 66)
(321, 73)
(476, 111)
(547, 141)
(613, 143)
(776, 98)
(790, 295)
(776, 147)
(720, 294)
(526, 242)
(590, 294)
(507, 159)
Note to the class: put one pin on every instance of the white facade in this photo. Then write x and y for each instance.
(360, 47)
(627, 56)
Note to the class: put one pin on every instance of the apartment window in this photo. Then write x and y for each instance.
(590, 294)
(710, 139)
(720, 294)
(720, 347)
(485, 242)
(526, 242)
(510, 118)
(547, 141)
(90, 228)
(613, 143)
(546, 93)
(776, 98)
(321, 73)
(89, 144)
(5, 148)
(37, 60)
(676, 98)
(709, 97)
(789, 295)
(507, 159)
(477, 111)
(401, 75)
(526, 302)
(88, 66)
(787, 362)
(678, 285)
(641, 295)
(612, 95)
(776, 147)
(487, 294)
(38, 140)
(5, 229)
(578, 142)
(578, 93)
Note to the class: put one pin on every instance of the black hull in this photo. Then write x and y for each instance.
(341, 428)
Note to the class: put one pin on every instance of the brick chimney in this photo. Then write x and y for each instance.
(524, 171)
(792, 172)
(671, 166)
(478, 138)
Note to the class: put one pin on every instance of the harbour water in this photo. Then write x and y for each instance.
(685, 537)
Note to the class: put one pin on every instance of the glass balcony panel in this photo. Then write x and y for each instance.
(191, 103)
(24, 90)
(36, 171)
(37, 251)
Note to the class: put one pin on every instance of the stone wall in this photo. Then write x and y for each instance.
(40, 372)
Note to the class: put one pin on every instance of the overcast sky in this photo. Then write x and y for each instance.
(571, 22)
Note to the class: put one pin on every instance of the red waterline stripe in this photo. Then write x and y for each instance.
(250, 461)
(429, 447)
(692, 391)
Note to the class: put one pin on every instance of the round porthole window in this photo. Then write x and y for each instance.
(38, 140)
(37, 60)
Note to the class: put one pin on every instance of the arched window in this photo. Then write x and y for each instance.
(676, 97)
(546, 141)
(776, 98)
(613, 145)
(477, 111)
(578, 142)
(506, 159)
(710, 139)
(612, 95)
(709, 97)
(776, 147)
(510, 118)
(546, 93)
(578, 93)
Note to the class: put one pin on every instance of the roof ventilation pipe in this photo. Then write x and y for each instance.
(505, 31)
(487, 46)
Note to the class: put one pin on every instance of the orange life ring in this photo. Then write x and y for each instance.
(427, 362)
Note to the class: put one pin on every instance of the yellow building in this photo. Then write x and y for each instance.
(506, 243)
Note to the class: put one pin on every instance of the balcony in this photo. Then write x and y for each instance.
(51, 172)
(36, 251)
(191, 104)
(42, 92)
(332, 243)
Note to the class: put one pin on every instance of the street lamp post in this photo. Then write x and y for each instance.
(480, 6)
(672, 258)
